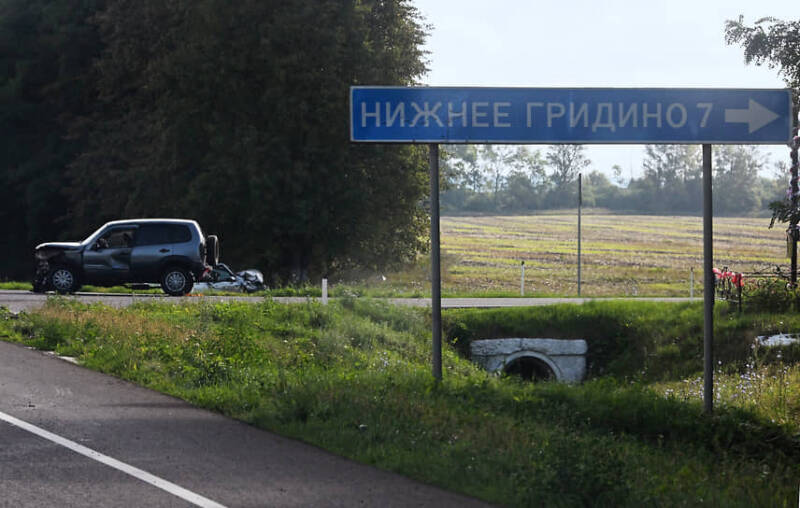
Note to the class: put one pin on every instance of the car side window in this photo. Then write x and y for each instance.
(153, 234)
(179, 233)
(118, 238)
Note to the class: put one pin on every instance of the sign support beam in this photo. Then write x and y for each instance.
(436, 275)
(708, 289)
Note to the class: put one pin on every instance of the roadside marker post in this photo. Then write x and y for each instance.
(698, 116)
(522, 279)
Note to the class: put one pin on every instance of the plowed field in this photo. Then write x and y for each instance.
(622, 255)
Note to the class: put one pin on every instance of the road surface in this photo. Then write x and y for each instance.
(73, 437)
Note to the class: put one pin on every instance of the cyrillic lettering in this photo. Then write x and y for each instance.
(582, 112)
(608, 108)
(656, 115)
(707, 106)
(479, 114)
(529, 112)
(551, 107)
(365, 114)
(452, 114)
(624, 116)
(426, 113)
(672, 107)
(399, 110)
(498, 115)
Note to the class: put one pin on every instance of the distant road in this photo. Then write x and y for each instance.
(25, 300)
(74, 437)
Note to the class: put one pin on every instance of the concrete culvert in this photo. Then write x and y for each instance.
(530, 369)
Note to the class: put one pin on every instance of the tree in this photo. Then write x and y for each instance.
(236, 113)
(671, 177)
(565, 162)
(736, 180)
(46, 49)
(774, 42)
(460, 167)
(769, 41)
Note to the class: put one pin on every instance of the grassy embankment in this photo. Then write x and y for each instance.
(623, 255)
(354, 378)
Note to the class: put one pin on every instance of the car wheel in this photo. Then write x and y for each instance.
(63, 279)
(212, 250)
(176, 281)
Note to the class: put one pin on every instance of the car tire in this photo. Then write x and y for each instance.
(63, 279)
(212, 250)
(176, 281)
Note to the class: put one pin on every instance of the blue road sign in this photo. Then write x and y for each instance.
(570, 115)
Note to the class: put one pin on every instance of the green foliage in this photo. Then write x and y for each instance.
(773, 42)
(481, 181)
(354, 379)
(771, 295)
(46, 50)
(244, 113)
(769, 40)
(234, 114)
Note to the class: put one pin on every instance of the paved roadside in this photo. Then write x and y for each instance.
(208, 455)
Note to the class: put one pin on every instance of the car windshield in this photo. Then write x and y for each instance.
(93, 235)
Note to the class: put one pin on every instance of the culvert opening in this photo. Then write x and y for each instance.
(530, 369)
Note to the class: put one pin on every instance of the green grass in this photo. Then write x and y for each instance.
(354, 378)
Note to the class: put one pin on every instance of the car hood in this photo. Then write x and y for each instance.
(59, 246)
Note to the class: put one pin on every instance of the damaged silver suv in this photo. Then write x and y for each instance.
(172, 252)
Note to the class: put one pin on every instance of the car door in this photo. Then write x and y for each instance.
(108, 261)
(152, 246)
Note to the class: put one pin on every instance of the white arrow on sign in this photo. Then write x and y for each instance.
(755, 116)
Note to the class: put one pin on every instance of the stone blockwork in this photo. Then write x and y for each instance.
(566, 358)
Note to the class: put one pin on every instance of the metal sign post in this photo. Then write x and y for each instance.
(580, 202)
(708, 287)
(436, 274)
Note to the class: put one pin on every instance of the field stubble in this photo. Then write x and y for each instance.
(622, 255)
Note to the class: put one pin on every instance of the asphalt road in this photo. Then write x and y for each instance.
(25, 300)
(175, 449)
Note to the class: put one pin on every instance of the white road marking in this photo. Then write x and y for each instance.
(144, 476)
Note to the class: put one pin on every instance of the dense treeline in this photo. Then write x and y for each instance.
(232, 113)
(509, 179)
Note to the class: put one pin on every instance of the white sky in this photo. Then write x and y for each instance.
(580, 43)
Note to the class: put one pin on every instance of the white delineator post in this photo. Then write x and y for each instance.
(522, 280)
(324, 291)
(691, 283)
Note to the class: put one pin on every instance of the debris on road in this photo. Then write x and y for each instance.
(222, 278)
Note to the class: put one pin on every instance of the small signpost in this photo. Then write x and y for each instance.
(435, 115)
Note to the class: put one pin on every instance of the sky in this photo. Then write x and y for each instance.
(612, 43)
